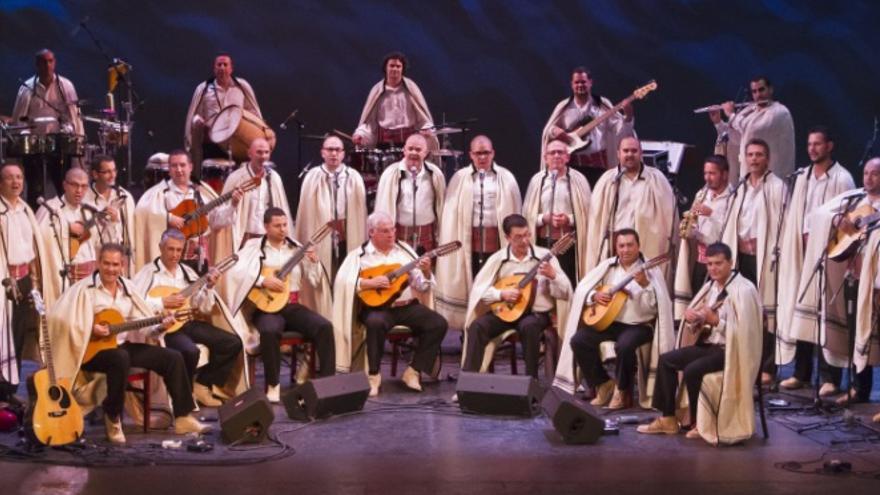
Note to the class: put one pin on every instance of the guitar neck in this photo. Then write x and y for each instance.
(203, 280)
(47, 348)
(531, 274)
(588, 127)
(291, 262)
(210, 205)
(626, 280)
(135, 324)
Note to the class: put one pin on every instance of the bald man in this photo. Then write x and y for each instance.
(411, 191)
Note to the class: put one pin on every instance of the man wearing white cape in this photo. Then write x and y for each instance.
(823, 180)
(551, 287)
(21, 267)
(558, 202)
(632, 196)
(395, 109)
(117, 222)
(412, 192)
(218, 331)
(720, 405)
(646, 317)
(478, 199)
(333, 192)
(866, 349)
(72, 324)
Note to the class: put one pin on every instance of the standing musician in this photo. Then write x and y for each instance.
(333, 192)
(815, 185)
(48, 102)
(751, 232)
(308, 297)
(702, 225)
(69, 233)
(72, 326)
(866, 346)
(645, 317)
(764, 119)
(224, 344)
(552, 291)
(631, 196)
(727, 313)
(412, 192)
(578, 109)
(117, 222)
(558, 202)
(270, 193)
(355, 322)
(153, 215)
(21, 269)
(478, 199)
(395, 109)
(210, 97)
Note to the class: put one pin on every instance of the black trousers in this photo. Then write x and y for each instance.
(567, 261)
(168, 363)
(628, 338)
(488, 326)
(803, 364)
(40, 184)
(24, 321)
(695, 362)
(294, 318)
(223, 348)
(426, 324)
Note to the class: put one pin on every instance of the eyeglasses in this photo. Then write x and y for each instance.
(482, 153)
(557, 152)
(76, 186)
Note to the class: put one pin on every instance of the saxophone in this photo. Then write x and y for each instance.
(689, 218)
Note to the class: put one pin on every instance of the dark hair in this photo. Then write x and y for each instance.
(761, 77)
(16, 163)
(580, 69)
(110, 247)
(632, 232)
(759, 142)
(719, 161)
(98, 160)
(179, 151)
(41, 53)
(222, 53)
(717, 248)
(395, 56)
(513, 221)
(271, 213)
(823, 130)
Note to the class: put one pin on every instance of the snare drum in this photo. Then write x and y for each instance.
(237, 128)
(215, 171)
(67, 144)
(365, 161)
(25, 144)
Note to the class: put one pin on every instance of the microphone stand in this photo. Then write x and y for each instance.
(335, 215)
(610, 227)
(482, 230)
(553, 177)
(774, 264)
(415, 232)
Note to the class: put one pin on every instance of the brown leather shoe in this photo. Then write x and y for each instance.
(188, 424)
(203, 396)
(603, 394)
(827, 389)
(621, 400)
(667, 425)
(791, 383)
(876, 418)
(114, 430)
(412, 379)
(693, 434)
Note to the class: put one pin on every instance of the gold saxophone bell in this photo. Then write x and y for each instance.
(689, 218)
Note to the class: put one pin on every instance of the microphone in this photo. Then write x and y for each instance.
(304, 170)
(283, 125)
(741, 182)
(119, 61)
(796, 173)
(82, 24)
(41, 201)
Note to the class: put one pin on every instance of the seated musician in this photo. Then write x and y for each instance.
(405, 309)
(224, 346)
(73, 328)
(645, 317)
(722, 322)
(308, 297)
(153, 214)
(550, 286)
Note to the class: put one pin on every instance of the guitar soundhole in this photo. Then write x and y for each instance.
(54, 393)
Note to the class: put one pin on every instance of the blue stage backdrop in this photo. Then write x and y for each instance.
(505, 63)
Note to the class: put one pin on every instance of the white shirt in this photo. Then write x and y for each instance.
(121, 302)
(640, 306)
(109, 231)
(558, 201)
(424, 201)
(17, 232)
(217, 97)
(86, 251)
(203, 299)
(710, 227)
(219, 217)
(485, 196)
(574, 115)
(34, 106)
(342, 185)
(816, 192)
(276, 257)
(546, 291)
(717, 336)
(417, 281)
(628, 194)
(747, 223)
(258, 203)
(394, 110)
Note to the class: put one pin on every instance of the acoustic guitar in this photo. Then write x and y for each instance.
(114, 319)
(270, 301)
(576, 137)
(55, 414)
(195, 217)
(525, 283)
(161, 291)
(77, 241)
(847, 240)
(398, 276)
(599, 316)
(692, 333)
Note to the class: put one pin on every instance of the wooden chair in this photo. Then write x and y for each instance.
(507, 341)
(142, 375)
(294, 340)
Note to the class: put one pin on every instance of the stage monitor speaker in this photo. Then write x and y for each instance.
(326, 396)
(576, 422)
(246, 418)
(509, 395)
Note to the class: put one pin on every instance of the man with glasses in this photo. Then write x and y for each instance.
(333, 192)
(478, 199)
(116, 222)
(765, 119)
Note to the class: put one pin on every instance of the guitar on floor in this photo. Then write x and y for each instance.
(195, 217)
(599, 316)
(398, 276)
(117, 324)
(55, 415)
(576, 137)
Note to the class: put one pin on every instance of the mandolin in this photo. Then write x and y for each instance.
(398, 276)
(114, 319)
(161, 291)
(56, 416)
(77, 241)
(599, 316)
(525, 283)
(847, 240)
(195, 217)
(576, 137)
(269, 301)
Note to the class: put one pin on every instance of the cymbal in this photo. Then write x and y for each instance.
(445, 152)
(44, 120)
(447, 130)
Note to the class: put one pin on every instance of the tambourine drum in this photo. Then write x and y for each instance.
(67, 144)
(237, 128)
(215, 171)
